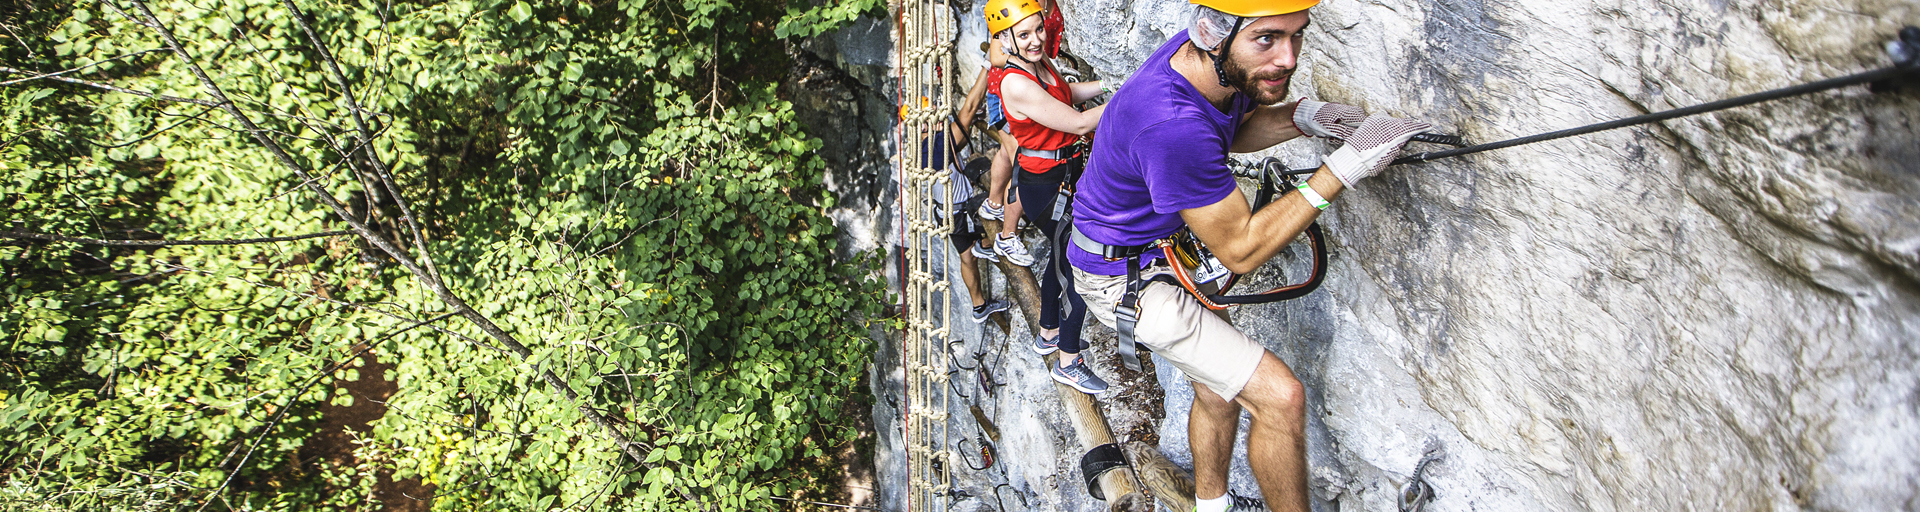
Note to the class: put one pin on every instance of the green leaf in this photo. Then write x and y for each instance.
(520, 12)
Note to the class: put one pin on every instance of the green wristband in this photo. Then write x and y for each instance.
(1313, 198)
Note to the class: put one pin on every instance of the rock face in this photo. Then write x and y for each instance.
(1710, 313)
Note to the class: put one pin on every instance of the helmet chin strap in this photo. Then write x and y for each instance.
(1220, 60)
(1007, 46)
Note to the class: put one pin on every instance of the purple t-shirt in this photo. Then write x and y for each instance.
(1161, 148)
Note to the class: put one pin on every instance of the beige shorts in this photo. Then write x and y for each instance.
(1210, 350)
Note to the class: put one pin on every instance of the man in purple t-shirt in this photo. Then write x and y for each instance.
(1159, 165)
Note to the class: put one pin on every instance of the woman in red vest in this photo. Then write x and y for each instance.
(1041, 117)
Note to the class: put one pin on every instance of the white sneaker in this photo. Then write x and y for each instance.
(1013, 250)
(988, 210)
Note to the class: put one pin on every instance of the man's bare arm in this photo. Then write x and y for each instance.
(1244, 239)
(1264, 127)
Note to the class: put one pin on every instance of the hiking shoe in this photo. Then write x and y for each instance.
(985, 253)
(1045, 346)
(1013, 250)
(989, 211)
(981, 312)
(1083, 379)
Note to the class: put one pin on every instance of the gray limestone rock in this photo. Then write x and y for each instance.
(1714, 312)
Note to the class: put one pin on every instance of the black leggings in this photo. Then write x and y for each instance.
(1057, 275)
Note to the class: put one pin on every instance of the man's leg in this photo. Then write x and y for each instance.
(1211, 428)
(1277, 443)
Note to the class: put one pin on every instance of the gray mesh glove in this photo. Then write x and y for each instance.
(1373, 145)
(1327, 120)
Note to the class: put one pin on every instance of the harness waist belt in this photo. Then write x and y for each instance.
(1110, 252)
(1049, 154)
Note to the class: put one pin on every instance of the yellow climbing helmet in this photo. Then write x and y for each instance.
(1002, 14)
(1244, 8)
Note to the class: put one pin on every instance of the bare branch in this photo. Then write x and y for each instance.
(164, 243)
(336, 302)
(364, 135)
(57, 74)
(97, 85)
(428, 279)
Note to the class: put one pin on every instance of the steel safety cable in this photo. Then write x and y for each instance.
(1906, 54)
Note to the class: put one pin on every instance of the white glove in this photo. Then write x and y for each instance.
(1327, 120)
(1371, 147)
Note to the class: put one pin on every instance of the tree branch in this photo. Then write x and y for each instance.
(165, 243)
(56, 74)
(428, 279)
(97, 85)
(364, 135)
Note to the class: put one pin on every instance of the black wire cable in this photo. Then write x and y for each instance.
(1908, 66)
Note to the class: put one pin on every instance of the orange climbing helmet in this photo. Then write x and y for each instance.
(1002, 14)
(1243, 8)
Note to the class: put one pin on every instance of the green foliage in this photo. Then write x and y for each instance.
(616, 184)
(820, 20)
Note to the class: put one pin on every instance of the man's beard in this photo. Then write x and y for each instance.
(1249, 85)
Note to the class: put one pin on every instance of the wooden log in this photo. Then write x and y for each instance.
(1170, 483)
(986, 425)
(1021, 286)
(1089, 425)
(980, 269)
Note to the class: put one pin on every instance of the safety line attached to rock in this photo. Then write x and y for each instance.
(1905, 51)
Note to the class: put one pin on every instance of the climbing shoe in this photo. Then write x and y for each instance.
(985, 253)
(981, 312)
(1011, 248)
(1045, 346)
(1082, 378)
(989, 211)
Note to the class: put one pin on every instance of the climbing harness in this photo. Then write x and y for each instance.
(1190, 266)
(1904, 49)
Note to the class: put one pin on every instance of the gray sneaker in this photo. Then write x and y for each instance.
(1045, 346)
(1083, 379)
(984, 252)
(1013, 250)
(981, 312)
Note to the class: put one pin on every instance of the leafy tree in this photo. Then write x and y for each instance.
(586, 236)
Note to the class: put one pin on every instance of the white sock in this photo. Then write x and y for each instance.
(1219, 504)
